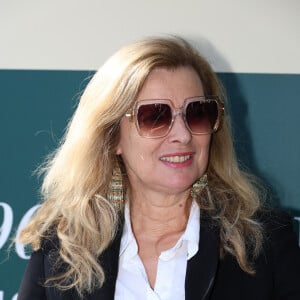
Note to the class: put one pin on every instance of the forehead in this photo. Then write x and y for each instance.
(174, 84)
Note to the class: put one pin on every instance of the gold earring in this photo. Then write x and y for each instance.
(198, 187)
(116, 191)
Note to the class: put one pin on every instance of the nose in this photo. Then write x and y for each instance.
(179, 132)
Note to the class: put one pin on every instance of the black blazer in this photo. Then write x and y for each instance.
(207, 276)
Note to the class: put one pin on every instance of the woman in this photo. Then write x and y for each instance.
(144, 198)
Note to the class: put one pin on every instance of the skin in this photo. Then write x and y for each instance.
(159, 189)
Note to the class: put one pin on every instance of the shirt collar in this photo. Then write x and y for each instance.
(192, 231)
(127, 236)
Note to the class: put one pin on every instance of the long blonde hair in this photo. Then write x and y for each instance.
(77, 175)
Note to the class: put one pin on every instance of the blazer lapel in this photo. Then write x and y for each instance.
(201, 268)
(109, 260)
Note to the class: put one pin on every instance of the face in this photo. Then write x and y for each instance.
(169, 164)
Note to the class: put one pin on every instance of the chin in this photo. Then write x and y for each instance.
(181, 185)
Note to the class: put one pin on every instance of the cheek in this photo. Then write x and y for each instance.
(130, 145)
(124, 136)
(204, 145)
(204, 142)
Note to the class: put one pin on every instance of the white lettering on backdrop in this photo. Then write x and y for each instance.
(6, 227)
(7, 223)
(2, 296)
(298, 220)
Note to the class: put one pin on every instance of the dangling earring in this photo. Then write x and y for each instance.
(198, 186)
(115, 193)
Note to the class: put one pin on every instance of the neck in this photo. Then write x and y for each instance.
(159, 215)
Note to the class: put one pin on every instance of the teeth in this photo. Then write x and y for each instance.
(176, 159)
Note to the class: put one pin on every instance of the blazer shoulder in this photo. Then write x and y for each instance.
(42, 266)
(275, 223)
(283, 252)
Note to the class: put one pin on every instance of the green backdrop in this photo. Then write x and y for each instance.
(35, 108)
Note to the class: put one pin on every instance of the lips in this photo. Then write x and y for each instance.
(176, 158)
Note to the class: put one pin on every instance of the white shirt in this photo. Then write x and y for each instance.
(132, 282)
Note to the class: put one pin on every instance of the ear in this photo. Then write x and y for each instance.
(118, 149)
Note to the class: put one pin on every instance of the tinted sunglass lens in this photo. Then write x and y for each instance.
(154, 119)
(201, 117)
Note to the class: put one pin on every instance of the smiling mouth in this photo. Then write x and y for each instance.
(176, 159)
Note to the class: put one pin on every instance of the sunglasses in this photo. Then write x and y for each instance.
(155, 118)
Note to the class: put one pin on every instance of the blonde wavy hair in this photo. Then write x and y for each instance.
(77, 175)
